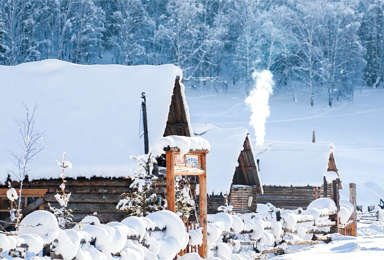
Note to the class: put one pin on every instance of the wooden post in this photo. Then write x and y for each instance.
(325, 187)
(336, 199)
(203, 206)
(170, 156)
(145, 123)
(352, 199)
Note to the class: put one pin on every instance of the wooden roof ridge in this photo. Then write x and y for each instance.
(247, 172)
(178, 122)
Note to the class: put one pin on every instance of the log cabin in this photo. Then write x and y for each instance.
(295, 174)
(232, 168)
(93, 113)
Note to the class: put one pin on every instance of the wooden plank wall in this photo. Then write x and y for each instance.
(288, 197)
(239, 198)
(99, 195)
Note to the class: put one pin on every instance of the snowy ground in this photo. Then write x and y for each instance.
(368, 245)
(356, 129)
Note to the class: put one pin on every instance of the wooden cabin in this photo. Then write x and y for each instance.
(294, 174)
(93, 113)
(232, 168)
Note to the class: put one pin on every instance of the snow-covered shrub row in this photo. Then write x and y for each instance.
(247, 236)
(161, 235)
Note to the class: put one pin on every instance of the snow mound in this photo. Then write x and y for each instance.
(41, 223)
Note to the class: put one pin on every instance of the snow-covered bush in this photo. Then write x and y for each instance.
(141, 198)
(185, 205)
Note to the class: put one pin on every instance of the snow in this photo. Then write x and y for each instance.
(351, 126)
(41, 223)
(175, 236)
(222, 159)
(331, 176)
(297, 164)
(12, 194)
(185, 144)
(90, 111)
(324, 205)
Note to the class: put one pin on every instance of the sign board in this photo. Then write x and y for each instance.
(191, 161)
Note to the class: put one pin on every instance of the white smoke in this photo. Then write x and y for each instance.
(258, 102)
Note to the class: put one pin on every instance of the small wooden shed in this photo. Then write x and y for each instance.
(294, 173)
(93, 113)
(232, 168)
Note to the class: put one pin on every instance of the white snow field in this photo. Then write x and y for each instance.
(355, 128)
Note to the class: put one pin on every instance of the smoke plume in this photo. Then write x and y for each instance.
(258, 102)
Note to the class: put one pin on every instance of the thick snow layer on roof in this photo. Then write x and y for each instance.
(227, 145)
(297, 164)
(185, 144)
(92, 112)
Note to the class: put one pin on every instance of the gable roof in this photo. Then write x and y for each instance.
(92, 112)
(297, 164)
(223, 166)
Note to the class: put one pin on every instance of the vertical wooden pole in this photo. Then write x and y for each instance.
(352, 199)
(336, 199)
(170, 181)
(203, 206)
(325, 187)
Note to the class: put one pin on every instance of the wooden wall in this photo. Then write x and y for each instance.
(239, 198)
(288, 197)
(99, 195)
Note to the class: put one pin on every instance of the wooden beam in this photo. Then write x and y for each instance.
(192, 173)
(246, 168)
(170, 181)
(242, 168)
(203, 206)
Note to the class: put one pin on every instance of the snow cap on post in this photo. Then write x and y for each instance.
(184, 144)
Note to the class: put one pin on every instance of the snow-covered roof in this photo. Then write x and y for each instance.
(297, 164)
(222, 159)
(92, 112)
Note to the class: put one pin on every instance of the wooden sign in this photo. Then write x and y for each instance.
(193, 163)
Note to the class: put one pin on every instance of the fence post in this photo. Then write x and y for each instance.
(352, 199)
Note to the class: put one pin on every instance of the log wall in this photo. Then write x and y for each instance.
(239, 197)
(288, 197)
(99, 195)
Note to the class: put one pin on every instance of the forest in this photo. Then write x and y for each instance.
(326, 46)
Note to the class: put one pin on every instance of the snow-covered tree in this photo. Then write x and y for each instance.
(86, 34)
(185, 204)
(178, 34)
(4, 49)
(129, 25)
(64, 215)
(371, 34)
(141, 198)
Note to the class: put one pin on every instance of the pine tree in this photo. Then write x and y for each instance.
(141, 198)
